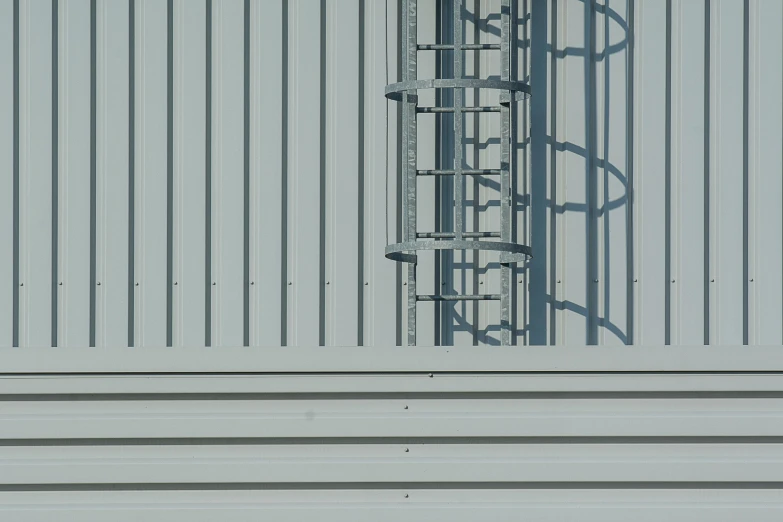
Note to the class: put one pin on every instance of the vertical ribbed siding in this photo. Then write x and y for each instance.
(187, 173)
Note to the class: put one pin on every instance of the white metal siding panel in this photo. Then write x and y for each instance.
(650, 172)
(689, 143)
(268, 139)
(305, 182)
(228, 254)
(114, 320)
(342, 285)
(434, 438)
(766, 166)
(35, 173)
(628, 94)
(728, 162)
(74, 173)
(7, 161)
(190, 28)
(151, 172)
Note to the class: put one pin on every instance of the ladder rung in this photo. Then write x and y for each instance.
(479, 297)
(451, 235)
(428, 110)
(466, 172)
(464, 47)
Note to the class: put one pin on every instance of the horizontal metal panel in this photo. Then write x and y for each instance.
(379, 445)
(225, 173)
(390, 512)
(128, 387)
(377, 359)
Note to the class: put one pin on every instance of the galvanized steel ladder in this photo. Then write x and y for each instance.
(406, 92)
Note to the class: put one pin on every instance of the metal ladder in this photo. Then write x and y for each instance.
(405, 92)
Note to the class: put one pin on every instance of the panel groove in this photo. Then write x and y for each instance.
(55, 174)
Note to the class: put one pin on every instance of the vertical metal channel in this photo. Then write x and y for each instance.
(170, 173)
(707, 173)
(246, 181)
(410, 73)
(131, 170)
(459, 204)
(15, 247)
(505, 170)
(746, 174)
(360, 181)
(208, 182)
(668, 281)
(93, 171)
(284, 184)
(55, 156)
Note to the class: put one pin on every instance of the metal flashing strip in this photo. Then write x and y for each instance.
(390, 359)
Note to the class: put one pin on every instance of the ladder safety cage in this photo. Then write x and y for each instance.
(405, 92)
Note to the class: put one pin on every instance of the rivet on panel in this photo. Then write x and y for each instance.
(99, 283)
(137, 284)
(406, 495)
(290, 283)
(406, 406)
(673, 281)
(558, 281)
(407, 450)
(635, 280)
(595, 280)
(431, 375)
(327, 282)
(366, 283)
(405, 283)
(751, 280)
(214, 283)
(252, 283)
(175, 283)
(21, 284)
(712, 280)
(61, 283)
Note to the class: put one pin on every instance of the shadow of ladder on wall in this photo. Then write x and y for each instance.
(405, 92)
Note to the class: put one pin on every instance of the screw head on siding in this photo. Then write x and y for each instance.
(99, 283)
(21, 284)
(252, 283)
(175, 283)
(558, 281)
(595, 280)
(214, 283)
(366, 283)
(635, 280)
(327, 282)
(137, 284)
(673, 281)
(407, 450)
(430, 375)
(406, 406)
(61, 283)
(712, 280)
(405, 283)
(406, 495)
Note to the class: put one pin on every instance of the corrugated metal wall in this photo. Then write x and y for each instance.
(191, 173)
(421, 435)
